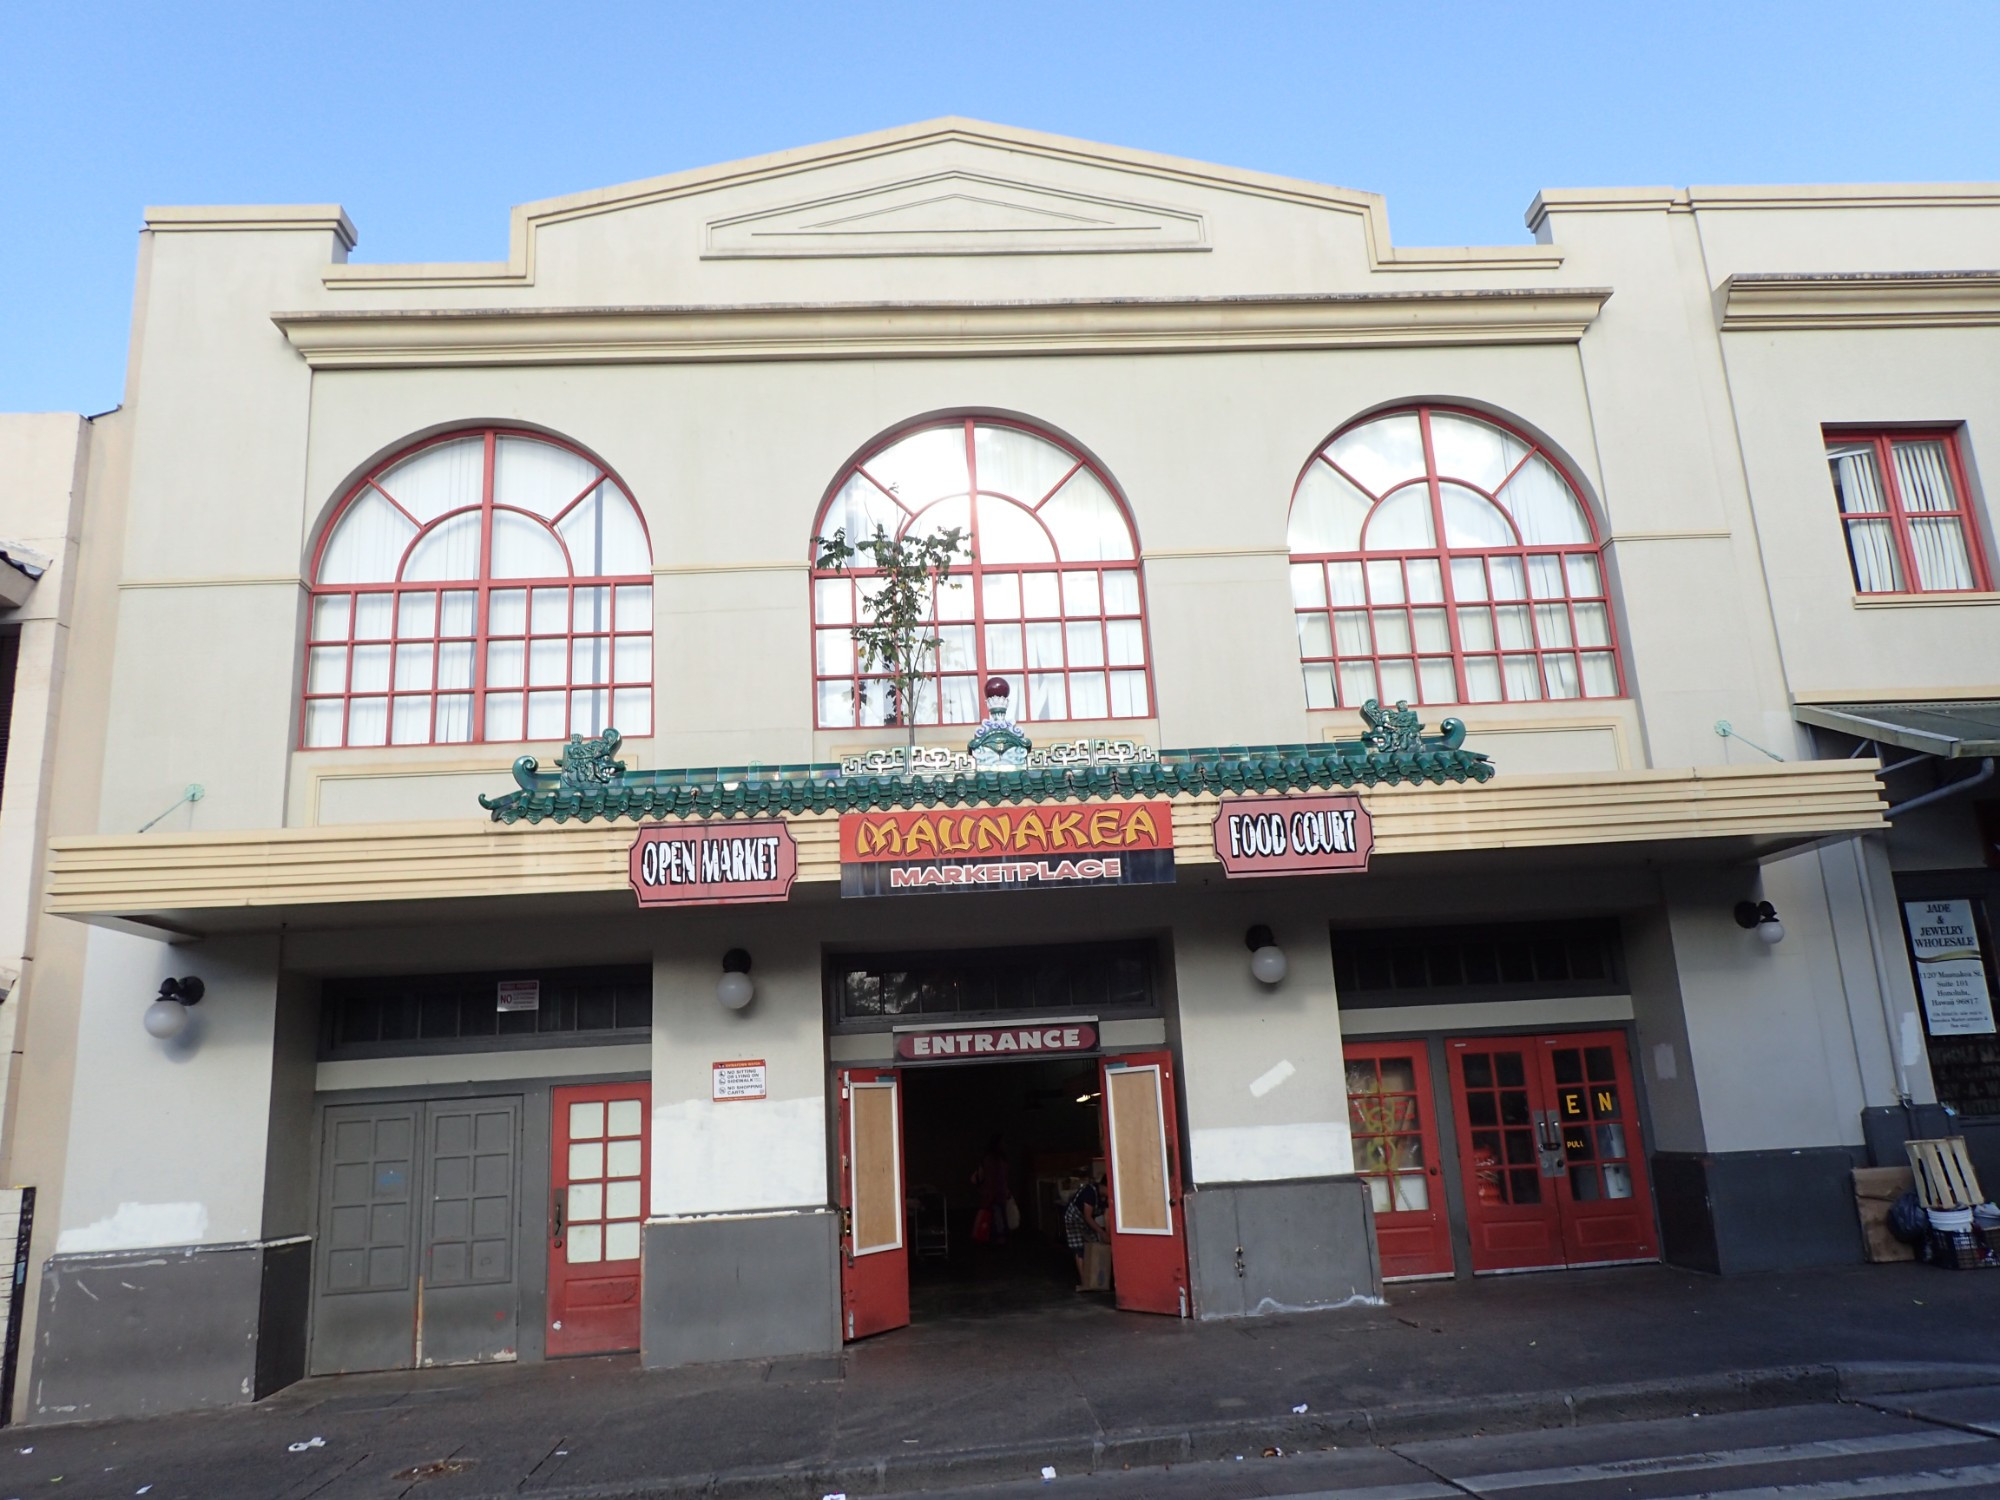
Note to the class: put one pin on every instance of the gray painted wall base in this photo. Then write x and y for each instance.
(143, 1332)
(754, 1288)
(1759, 1210)
(1265, 1247)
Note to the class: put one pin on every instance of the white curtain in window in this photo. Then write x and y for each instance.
(438, 480)
(604, 536)
(367, 543)
(1857, 483)
(1938, 546)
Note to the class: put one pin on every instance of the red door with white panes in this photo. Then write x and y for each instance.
(1391, 1120)
(1550, 1151)
(600, 1160)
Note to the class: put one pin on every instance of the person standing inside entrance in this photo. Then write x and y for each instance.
(990, 1181)
(1083, 1224)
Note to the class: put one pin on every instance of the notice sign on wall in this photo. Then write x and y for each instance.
(519, 994)
(1951, 970)
(1036, 844)
(713, 863)
(742, 1079)
(996, 1041)
(1292, 835)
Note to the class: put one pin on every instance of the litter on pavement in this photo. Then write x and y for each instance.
(313, 1442)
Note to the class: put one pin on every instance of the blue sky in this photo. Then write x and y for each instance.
(428, 121)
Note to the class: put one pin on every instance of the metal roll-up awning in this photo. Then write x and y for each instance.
(1960, 730)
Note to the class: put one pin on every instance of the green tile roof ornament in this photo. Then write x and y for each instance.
(588, 784)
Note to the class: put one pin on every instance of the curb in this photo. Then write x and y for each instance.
(1383, 1426)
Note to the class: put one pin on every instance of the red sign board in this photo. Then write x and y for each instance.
(713, 863)
(1021, 846)
(999, 1041)
(1292, 835)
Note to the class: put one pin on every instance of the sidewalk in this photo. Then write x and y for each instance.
(964, 1400)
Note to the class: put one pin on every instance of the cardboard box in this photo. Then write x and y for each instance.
(1876, 1190)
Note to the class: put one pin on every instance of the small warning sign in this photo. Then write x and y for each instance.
(520, 994)
(743, 1079)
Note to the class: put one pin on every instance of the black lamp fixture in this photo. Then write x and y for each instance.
(1760, 917)
(167, 1016)
(1267, 959)
(735, 989)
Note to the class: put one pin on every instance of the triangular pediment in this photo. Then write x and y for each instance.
(955, 213)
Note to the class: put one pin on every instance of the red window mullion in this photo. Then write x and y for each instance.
(1899, 517)
(1458, 669)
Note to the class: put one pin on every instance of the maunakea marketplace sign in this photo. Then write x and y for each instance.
(714, 863)
(1021, 847)
(1951, 968)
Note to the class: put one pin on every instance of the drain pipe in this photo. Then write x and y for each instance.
(1963, 784)
(1891, 1021)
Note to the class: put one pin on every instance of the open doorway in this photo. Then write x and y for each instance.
(1045, 1116)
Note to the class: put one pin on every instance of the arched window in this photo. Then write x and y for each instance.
(1051, 599)
(1440, 557)
(486, 585)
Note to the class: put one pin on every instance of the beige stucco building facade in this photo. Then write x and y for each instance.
(1530, 1033)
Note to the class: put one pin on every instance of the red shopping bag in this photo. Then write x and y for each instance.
(982, 1227)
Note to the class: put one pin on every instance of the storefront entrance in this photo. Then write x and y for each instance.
(599, 1164)
(1390, 1115)
(1550, 1151)
(912, 1143)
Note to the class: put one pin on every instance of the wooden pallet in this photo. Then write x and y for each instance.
(1944, 1174)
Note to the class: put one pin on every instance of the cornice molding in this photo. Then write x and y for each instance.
(168, 881)
(328, 218)
(1777, 302)
(886, 330)
(888, 146)
(1767, 198)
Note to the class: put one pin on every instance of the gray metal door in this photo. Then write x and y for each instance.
(365, 1306)
(468, 1295)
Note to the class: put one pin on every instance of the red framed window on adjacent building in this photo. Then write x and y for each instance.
(1906, 508)
(1441, 557)
(1051, 597)
(487, 585)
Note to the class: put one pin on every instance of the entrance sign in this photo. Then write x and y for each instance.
(713, 863)
(1007, 1041)
(988, 848)
(1292, 835)
(738, 1080)
(1951, 969)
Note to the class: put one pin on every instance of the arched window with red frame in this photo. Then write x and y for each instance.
(1439, 556)
(491, 585)
(1050, 598)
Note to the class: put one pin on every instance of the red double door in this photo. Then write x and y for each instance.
(600, 1160)
(1142, 1150)
(1551, 1161)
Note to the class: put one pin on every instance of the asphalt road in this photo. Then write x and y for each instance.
(1945, 1443)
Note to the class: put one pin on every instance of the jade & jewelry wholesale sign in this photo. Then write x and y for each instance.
(1292, 835)
(998, 848)
(1951, 969)
(713, 863)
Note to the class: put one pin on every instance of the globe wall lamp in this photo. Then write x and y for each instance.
(1760, 917)
(735, 989)
(1267, 959)
(167, 1016)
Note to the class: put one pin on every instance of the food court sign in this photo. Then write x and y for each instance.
(1000, 848)
(1292, 835)
(717, 863)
